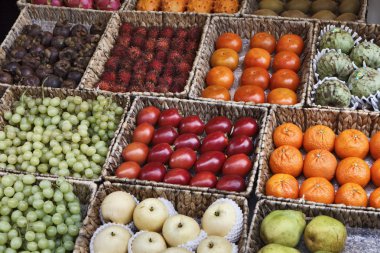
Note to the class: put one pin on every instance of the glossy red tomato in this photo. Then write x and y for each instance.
(290, 42)
(160, 153)
(183, 158)
(148, 115)
(187, 141)
(143, 133)
(169, 117)
(240, 145)
(135, 152)
(177, 176)
(284, 78)
(286, 60)
(282, 96)
(164, 134)
(255, 76)
(192, 125)
(232, 183)
(239, 164)
(263, 40)
(229, 40)
(245, 126)
(210, 161)
(129, 170)
(250, 93)
(218, 124)
(216, 141)
(153, 172)
(216, 92)
(204, 179)
(257, 57)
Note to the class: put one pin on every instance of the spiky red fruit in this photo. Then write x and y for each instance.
(167, 32)
(181, 33)
(141, 70)
(124, 41)
(165, 80)
(174, 57)
(140, 31)
(170, 69)
(176, 88)
(126, 28)
(149, 87)
(108, 76)
(138, 41)
(127, 64)
(189, 58)
(119, 50)
(183, 67)
(179, 81)
(103, 85)
(134, 88)
(134, 53)
(194, 34)
(153, 32)
(163, 44)
(162, 89)
(178, 45)
(148, 57)
(151, 77)
(112, 63)
(124, 77)
(150, 45)
(156, 66)
(191, 46)
(160, 56)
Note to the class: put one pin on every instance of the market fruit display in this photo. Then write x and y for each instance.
(335, 64)
(64, 137)
(257, 75)
(38, 215)
(198, 6)
(54, 58)
(342, 10)
(106, 5)
(112, 238)
(282, 231)
(150, 59)
(184, 150)
(333, 93)
(330, 161)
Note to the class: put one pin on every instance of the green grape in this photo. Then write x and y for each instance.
(12, 234)
(32, 246)
(30, 236)
(3, 239)
(31, 216)
(62, 228)
(39, 227)
(19, 196)
(51, 231)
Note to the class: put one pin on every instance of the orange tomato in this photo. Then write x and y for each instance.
(284, 78)
(216, 92)
(250, 93)
(257, 57)
(229, 40)
(220, 75)
(225, 57)
(290, 42)
(286, 60)
(255, 76)
(282, 96)
(263, 40)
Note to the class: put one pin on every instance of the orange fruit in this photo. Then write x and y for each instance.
(320, 163)
(286, 159)
(375, 173)
(288, 134)
(282, 186)
(352, 143)
(317, 189)
(353, 170)
(374, 198)
(374, 146)
(319, 137)
(351, 194)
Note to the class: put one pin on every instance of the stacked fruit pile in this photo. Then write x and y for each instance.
(160, 229)
(199, 6)
(224, 150)
(256, 78)
(52, 59)
(340, 10)
(151, 59)
(65, 137)
(320, 166)
(108, 5)
(43, 216)
(282, 231)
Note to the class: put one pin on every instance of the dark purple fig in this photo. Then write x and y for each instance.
(11, 67)
(34, 30)
(93, 38)
(46, 38)
(51, 55)
(31, 81)
(69, 84)
(52, 81)
(75, 74)
(58, 42)
(31, 61)
(62, 28)
(18, 52)
(97, 28)
(37, 50)
(68, 54)
(78, 31)
(5, 77)
(61, 68)
(81, 62)
(74, 42)
(44, 70)
(25, 71)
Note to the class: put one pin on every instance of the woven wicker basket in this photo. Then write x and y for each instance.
(337, 120)
(206, 111)
(245, 28)
(47, 17)
(189, 203)
(351, 218)
(366, 31)
(85, 191)
(14, 93)
(96, 66)
(3, 89)
(131, 6)
(251, 6)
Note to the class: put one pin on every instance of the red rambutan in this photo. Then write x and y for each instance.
(126, 28)
(191, 46)
(138, 41)
(170, 69)
(163, 44)
(174, 57)
(148, 57)
(160, 56)
(120, 88)
(108, 76)
(153, 32)
(134, 53)
(138, 79)
(179, 81)
(140, 31)
(151, 77)
(103, 85)
(194, 34)
(183, 67)
(165, 81)
(156, 66)
(149, 87)
(124, 41)
(162, 89)
(150, 45)
(112, 63)
(178, 45)
(140, 70)
(127, 65)
(134, 88)
(119, 50)
(167, 32)
(181, 33)
(176, 88)
(124, 77)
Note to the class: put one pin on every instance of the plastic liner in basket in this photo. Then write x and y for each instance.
(106, 226)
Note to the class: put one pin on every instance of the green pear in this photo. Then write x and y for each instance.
(277, 248)
(283, 227)
(324, 233)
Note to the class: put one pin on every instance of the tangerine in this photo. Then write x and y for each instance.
(288, 134)
(353, 170)
(286, 159)
(375, 173)
(374, 146)
(351, 194)
(317, 189)
(319, 137)
(320, 163)
(282, 186)
(374, 198)
(352, 143)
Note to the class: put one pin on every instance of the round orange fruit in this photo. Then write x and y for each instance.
(286, 159)
(374, 146)
(288, 134)
(352, 143)
(282, 186)
(374, 198)
(319, 137)
(353, 170)
(351, 194)
(317, 189)
(320, 163)
(375, 173)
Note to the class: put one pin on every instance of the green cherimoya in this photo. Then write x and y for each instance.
(364, 82)
(333, 93)
(335, 64)
(337, 38)
(367, 52)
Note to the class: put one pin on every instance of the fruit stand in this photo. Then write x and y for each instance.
(177, 126)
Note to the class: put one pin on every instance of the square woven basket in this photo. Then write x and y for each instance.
(96, 66)
(85, 191)
(337, 120)
(206, 111)
(47, 17)
(190, 203)
(368, 221)
(366, 31)
(253, 5)
(246, 27)
(14, 93)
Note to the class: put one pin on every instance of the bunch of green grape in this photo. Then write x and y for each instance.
(37, 217)
(64, 137)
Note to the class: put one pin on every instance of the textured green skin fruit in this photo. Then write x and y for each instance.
(364, 82)
(368, 52)
(337, 38)
(276, 248)
(333, 93)
(335, 64)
